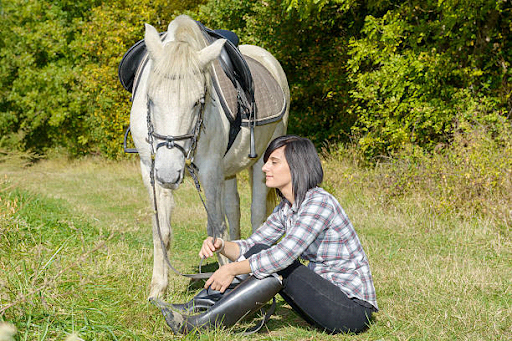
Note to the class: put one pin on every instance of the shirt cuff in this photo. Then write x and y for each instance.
(257, 268)
(253, 263)
(243, 245)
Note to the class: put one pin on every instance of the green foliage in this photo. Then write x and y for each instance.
(39, 76)
(306, 8)
(310, 52)
(469, 177)
(59, 85)
(414, 67)
(112, 29)
(380, 73)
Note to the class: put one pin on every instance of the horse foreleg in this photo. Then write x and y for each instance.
(165, 205)
(259, 193)
(212, 180)
(232, 207)
(160, 279)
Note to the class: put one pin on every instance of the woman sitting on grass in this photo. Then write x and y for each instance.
(334, 291)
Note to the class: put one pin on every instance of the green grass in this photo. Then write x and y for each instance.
(76, 258)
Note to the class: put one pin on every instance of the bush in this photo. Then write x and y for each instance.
(468, 177)
(414, 66)
(471, 177)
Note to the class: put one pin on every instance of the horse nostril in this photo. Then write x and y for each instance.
(168, 177)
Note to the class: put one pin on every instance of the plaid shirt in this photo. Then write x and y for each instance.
(320, 232)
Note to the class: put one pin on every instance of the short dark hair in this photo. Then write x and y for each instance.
(305, 166)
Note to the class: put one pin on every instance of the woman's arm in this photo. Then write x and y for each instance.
(267, 234)
(223, 277)
(312, 217)
(226, 248)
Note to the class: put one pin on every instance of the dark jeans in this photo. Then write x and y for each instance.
(318, 301)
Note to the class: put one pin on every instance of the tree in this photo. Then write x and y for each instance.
(416, 66)
(382, 73)
(59, 71)
(40, 104)
(312, 52)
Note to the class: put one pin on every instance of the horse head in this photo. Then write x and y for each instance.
(177, 87)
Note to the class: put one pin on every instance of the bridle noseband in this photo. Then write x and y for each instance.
(169, 141)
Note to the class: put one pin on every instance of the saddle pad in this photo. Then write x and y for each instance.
(269, 96)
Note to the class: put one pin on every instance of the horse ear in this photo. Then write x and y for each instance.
(209, 53)
(153, 42)
(173, 25)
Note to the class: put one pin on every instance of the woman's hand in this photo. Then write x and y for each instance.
(221, 279)
(209, 247)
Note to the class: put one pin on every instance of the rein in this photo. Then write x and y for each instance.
(169, 142)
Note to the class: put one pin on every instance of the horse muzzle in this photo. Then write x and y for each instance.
(169, 168)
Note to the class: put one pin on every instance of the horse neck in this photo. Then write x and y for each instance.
(216, 124)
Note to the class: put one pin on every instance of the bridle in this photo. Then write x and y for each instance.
(169, 141)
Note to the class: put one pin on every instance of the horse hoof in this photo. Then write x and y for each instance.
(156, 293)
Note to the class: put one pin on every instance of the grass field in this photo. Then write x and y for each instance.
(76, 258)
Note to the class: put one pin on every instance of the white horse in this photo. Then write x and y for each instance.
(174, 90)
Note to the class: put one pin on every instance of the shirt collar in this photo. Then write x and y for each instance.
(294, 208)
(289, 207)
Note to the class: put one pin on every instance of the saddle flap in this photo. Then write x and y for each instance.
(269, 96)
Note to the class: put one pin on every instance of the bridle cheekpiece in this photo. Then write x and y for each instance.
(169, 141)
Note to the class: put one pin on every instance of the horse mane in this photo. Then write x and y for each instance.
(178, 69)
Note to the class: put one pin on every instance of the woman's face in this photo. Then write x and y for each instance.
(278, 173)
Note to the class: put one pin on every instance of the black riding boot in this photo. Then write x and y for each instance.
(206, 298)
(245, 299)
